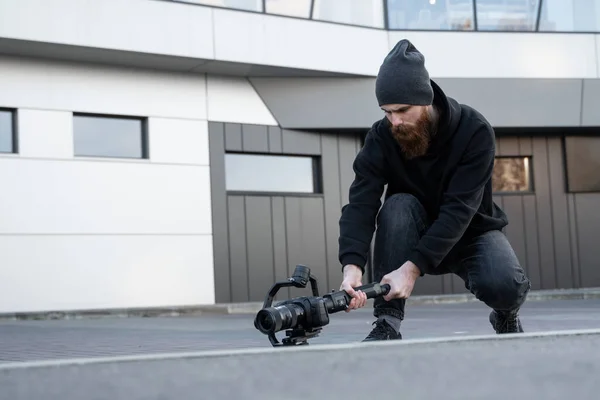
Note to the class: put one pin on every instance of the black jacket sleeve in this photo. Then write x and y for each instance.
(357, 222)
(460, 202)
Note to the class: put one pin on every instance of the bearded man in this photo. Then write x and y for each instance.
(436, 157)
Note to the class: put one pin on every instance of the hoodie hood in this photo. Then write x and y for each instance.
(449, 117)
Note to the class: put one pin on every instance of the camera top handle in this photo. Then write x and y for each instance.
(300, 278)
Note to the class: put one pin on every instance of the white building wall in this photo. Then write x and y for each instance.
(233, 99)
(88, 233)
(68, 86)
(148, 26)
(272, 40)
(203, 33)
(79, 233)
(505, 55)
(597, 55)
(46, 133)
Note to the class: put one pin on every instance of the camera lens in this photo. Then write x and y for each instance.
(265, 321)
(274, 319)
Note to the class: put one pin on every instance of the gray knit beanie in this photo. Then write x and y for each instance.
(402, 77)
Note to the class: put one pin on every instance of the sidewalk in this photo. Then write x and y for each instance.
(254, 307)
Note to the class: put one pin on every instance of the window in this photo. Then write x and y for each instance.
(436, 15)
(354, 12)
(431, 14)
(104, 136)
(582, 156)
(570, 16)
(512, 174)
(295, 8)
(271, 173)
(248, 5)
(7, 132)
(507, 15)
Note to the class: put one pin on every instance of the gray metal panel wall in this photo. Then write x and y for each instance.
(337, 103)
(533, 219)
(586, 227)
(591, 103)
(582, 167)
(552, 231)
(220, 217)
(520, 102)
(259, 239)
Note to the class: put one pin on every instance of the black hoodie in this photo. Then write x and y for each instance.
(452, 181)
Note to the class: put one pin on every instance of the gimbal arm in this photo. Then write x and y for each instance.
(300, 278)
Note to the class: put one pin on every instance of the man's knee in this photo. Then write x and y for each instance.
(495, 275)
(402, 209)
(504, 289)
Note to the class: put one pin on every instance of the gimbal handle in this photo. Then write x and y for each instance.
(338, 301)
(374, 289)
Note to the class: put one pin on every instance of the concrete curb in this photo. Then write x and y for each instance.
(254, 307)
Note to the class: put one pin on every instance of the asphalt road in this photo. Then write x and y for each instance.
(160, 365)
(529, 368)
(59, 339)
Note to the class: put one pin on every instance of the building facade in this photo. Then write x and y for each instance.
(175, 153)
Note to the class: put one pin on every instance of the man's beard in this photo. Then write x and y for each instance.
(414, 140)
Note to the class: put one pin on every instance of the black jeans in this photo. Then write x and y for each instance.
(487, 263)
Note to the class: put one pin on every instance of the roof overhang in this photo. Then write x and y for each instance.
(350, 103)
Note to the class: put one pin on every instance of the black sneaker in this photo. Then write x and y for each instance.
(506, 322)
(382, 331)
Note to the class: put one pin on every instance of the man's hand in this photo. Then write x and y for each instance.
(352, 279)
(401, 281)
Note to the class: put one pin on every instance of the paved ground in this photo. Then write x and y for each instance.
(529, 368)
(546, 367)
(46, 340)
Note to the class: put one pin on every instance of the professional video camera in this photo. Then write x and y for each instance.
(304, 317)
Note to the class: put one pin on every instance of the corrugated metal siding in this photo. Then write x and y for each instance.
(540, 227)
(553, 232)
(259, 239)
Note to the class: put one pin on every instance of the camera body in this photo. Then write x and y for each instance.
(304, 317)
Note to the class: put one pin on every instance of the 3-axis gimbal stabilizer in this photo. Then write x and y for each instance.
(304, 317)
